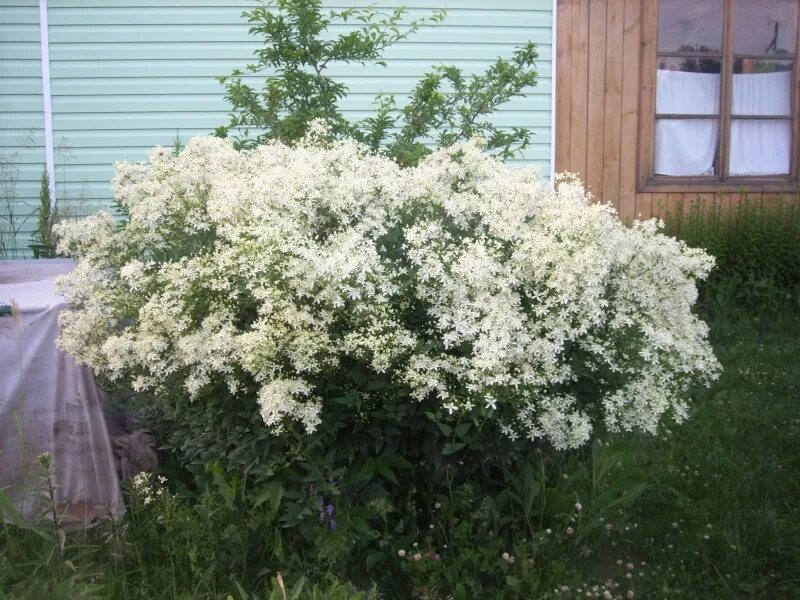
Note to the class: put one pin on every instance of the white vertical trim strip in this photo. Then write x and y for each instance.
(553, 87)
(44, 40)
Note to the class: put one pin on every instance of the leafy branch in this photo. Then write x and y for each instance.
(445, 107)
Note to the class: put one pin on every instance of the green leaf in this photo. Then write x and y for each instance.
(452, 448)
(360, 524)
(297, 589)
(242, 593)
(373, 558)
(444, 428)
(271, 492)
(462, 429)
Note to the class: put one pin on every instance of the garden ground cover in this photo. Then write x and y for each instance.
(720, 517)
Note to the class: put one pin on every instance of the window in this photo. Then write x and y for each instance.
(720, 94)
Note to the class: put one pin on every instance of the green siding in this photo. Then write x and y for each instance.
(21, 124)
(127, 74)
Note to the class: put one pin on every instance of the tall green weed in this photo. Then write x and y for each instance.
(756, 245)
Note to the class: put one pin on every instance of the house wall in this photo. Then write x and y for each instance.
(599, 51)
(130, 74)
(21, 122)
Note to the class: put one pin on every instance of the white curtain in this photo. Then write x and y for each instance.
(685, 147)
(761, 147)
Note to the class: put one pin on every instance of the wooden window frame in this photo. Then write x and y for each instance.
(647, 181)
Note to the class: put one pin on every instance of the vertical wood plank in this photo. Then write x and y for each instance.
(644, 206)
(675, 204)
(596, 99)
(630, 109)
(564, 52)
(725, 201)
(580, 87)
(734, 199)
(615, 14)
(772, 198)
(659, 205)
(706, 201)
(647, 102)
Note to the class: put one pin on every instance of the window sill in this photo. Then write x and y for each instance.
(682, 185)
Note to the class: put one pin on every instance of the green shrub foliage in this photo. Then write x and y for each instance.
(446, 106)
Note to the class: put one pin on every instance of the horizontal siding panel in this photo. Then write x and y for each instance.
(72, 124)
(19, 15)
(19, 50)
(16, 86)
(31, 121)
(28, 172)
(76, 190)
(167, 85)
(215, 31)
(23, 103)
(19, 33)
(243, 51)
(20, 140)
(197, 67)
(239, 7)
(19, 68)
(211, 102)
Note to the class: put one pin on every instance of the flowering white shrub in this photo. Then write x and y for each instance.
(462, 280)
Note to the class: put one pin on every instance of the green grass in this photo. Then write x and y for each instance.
(720, 518)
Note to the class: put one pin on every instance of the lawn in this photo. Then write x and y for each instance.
(721, 514)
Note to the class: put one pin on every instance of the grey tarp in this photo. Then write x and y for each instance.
(49, 404)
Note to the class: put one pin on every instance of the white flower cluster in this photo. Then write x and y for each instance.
(147, 489)
(461, 279)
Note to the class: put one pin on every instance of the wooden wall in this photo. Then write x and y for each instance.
(599, 52)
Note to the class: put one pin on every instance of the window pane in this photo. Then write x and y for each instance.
(691, 64)
(760, 147)
(690, 25)
(686, 147)
(687, 93)
(765, 88)
(765, 26)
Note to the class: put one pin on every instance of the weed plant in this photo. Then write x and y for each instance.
(43, 241)
(757, 247)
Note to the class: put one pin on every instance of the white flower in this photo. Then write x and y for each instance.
(265, 270)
